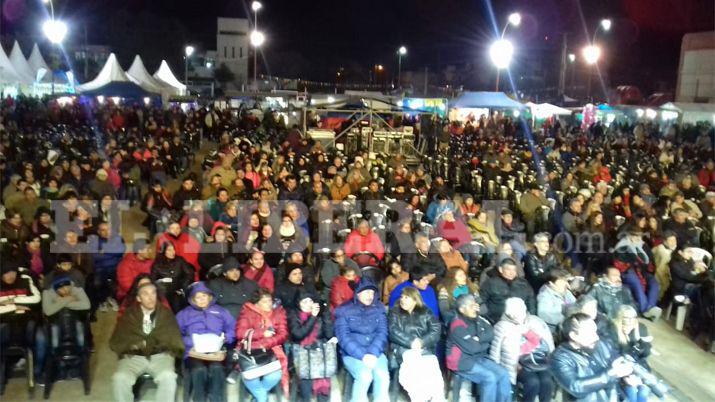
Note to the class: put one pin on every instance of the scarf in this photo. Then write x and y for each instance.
(460, 290)
(267, 322)
(321, 386)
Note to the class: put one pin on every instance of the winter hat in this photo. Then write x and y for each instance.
(290, 267)
(60, 282)
(230, 263)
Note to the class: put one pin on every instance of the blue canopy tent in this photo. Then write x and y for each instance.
(489, 100)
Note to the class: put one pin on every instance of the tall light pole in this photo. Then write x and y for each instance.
(592, 52)
(55, 30)
(257, 40)
(188, 51)
(400, 52)
(502, 50)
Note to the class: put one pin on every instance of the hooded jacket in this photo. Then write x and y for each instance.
(508, 336)
(213, 319)
(362, 329)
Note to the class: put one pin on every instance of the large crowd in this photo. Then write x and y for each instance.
(520, 261)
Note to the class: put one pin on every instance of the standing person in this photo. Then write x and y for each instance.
(267, 329)
(147, 340)
(203, 316)
(232, 290)
(584, 366)
(522, 344)
(470, 337)
(361, 328)
(413, 334)
(310, 325)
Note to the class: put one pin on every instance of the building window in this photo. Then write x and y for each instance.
(233, 52)
(240, 52)
(224, 52)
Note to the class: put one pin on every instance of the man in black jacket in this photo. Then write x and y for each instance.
(587, 368)
(423, 260)
(538, 263)
(187, 192)
(232, 290)
(468, 343)
(503, 284)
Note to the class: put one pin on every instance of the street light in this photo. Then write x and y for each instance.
(591, 54)
(257, 38)
(400, 52)
(188, 51)
(502, 50)
(55, 30)
(572, 57)
(606, 24)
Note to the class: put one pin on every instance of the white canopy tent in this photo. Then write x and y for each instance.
(165, 76)
(8, 75)
(111, 72)
(22, 67)
(140, 76)
(692, 112)
(39, 67)
(546, 110)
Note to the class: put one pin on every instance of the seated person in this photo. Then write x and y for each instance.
(137, 262)
(172, 274)
(638, 273)
(59, 305)
(610, 293)
(512, 232)
(414, 333)
(454, 284)
(453, 230)
(361, 328)
(267, 328)
(586, 367)
(451, 257)
(64, 267)
(539, 262)
(147, 340)
(555, 298)
(687, 275)
(631, 337)
(19, 298)
(468, 343)
(309, 324)
(423, 259)
(420, 280)
(482, 229)
(257, 270)
(341, 290)
(502, 284)
(522, 343)
(232, 290)
(204, 316)
(294, 281)
(364, 239)
(331, 270)
(395, 276)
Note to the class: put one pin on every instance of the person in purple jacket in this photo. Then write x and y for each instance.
(204, 316)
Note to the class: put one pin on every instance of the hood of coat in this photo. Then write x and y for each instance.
(200, 287)
(367, 283)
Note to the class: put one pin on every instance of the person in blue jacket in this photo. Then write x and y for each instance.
(420, 280)
(107, 252)
(204, 316)
(361, 328)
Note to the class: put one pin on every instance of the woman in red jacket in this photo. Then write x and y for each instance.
(341, 290)
(267, 327)
(133, 264)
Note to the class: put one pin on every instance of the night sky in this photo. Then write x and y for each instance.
(312, 39)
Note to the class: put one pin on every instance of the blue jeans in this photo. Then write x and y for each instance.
(260, 387)
(645, 298)
(637, 394)
(493, 380)
(379, 377)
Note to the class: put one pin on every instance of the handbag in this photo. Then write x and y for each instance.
(256, 363)
(319, 360)
(538, 359)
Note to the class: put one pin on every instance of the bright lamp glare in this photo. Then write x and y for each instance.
(147, 100)
(189, 50)
(651, 114)
(515, 19)
(606, 24)
(591, 54)
(517, 113)
(501, 53)
(331, 99)
(256, 5)
(402, 50)
(100, 99)
(257, 38)
(572, 57)
(55, 30)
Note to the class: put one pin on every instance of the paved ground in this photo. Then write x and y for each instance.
(677, 359)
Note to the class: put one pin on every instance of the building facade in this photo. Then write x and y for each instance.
(232, 47)
(696, 74)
